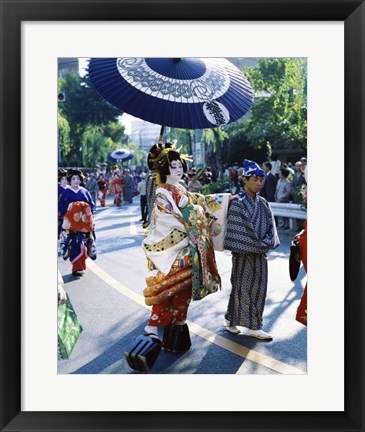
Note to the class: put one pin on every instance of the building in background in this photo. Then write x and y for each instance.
(241, 62)
(143, 133)
(67, 64)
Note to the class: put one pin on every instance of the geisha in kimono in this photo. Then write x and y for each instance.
(103, 189)
(179, 247)
(116, 189)
(77, 208)
(251, 233)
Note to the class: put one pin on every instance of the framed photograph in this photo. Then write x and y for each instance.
(34, 396)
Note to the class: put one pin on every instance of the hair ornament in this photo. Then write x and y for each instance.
(163, 157)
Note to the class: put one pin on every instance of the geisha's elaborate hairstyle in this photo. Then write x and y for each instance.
(74, 171)
(154, 152)
(163, 162)
(61, 173)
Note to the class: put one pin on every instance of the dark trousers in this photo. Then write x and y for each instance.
(144, 208)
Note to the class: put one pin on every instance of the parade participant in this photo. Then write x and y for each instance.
(62, 181)
(180, 253)
(301, 239)
(141, 188)
(62, 185)
(103, 189)
(92, 186)
(128, 186)
(116, 189)
(77, 208)
(250, 234)
(294, 261)
(61, 293)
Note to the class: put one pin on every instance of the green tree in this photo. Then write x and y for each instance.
(240, 148)
(64, 143)
(83, 105)
(140, 156)
(184, 139)
(93, 123)
(219, 135)
(115, 131)
(278, 116)
(94, 145)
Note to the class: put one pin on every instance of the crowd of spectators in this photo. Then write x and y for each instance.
(283, 180)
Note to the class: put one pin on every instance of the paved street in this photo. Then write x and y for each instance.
(109, 302)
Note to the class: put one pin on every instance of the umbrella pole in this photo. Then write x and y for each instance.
(160, 140)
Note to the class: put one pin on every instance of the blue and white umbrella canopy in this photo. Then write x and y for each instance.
(188, 93)
(120, 155)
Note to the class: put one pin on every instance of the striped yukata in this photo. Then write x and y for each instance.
(251, 233)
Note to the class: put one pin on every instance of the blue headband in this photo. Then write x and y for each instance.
(251, 168)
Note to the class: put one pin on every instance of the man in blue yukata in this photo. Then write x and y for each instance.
(251, 233)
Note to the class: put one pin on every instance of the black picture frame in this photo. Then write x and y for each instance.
(352, 13)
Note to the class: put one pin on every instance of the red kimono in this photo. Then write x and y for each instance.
(117, 190)
(302, 308)
(103, 191)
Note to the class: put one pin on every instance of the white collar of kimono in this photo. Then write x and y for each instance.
(168, 195)
(165, 224)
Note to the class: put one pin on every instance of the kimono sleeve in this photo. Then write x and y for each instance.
(90, 201)
(63, 203)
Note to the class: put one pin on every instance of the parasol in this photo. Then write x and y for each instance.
(188, 93)
(120, 155)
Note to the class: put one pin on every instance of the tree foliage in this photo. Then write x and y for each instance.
(278, 116)
(240, 148)
(64, 142)
(88, 125)
(83, 105)
(140, 156)
(183, 137)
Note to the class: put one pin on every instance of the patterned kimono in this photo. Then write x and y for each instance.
(117, 190)
(179, 245)
(251, 233)
(103, 191)
(77, 209)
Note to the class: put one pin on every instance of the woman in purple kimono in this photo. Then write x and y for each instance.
(76, 207)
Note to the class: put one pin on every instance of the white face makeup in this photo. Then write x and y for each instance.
(75, 181)
(176, 172)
